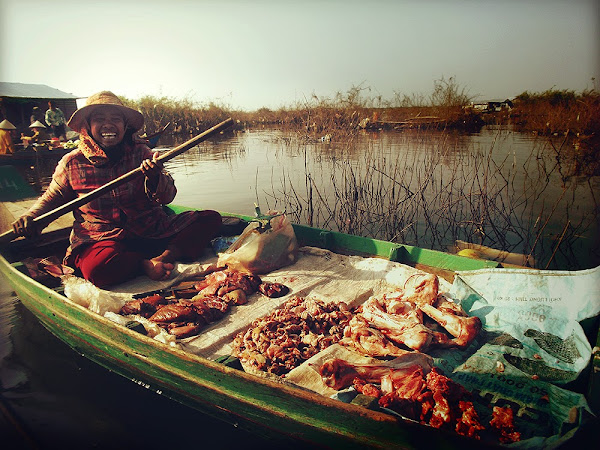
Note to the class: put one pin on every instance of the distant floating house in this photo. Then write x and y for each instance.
(19, 99)
(495, 105)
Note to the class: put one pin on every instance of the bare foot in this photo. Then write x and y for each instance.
(156, 269)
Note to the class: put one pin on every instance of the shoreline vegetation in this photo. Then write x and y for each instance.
(449, 107)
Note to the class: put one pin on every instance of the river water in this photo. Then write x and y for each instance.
(511, 191)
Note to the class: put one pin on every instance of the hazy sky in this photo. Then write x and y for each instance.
(249, 54)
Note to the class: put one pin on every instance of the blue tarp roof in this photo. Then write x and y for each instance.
(23, 90)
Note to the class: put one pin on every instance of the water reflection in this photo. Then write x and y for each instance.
(11, 375)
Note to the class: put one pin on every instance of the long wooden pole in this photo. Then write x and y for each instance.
(50, 216)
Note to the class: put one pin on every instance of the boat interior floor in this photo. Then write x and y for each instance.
(317, 273)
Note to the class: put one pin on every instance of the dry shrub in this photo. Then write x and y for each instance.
(558, 112)
(185, 116)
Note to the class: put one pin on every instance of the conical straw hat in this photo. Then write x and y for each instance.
(6, 125)
(37, 124)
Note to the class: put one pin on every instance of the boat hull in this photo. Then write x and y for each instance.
(260, 405)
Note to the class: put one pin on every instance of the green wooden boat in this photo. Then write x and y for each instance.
(219, 388)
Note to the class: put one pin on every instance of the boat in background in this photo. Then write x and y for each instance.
(154, 137)
(29, 156)
(508, 259)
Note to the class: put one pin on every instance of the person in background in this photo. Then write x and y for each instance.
(126, 232)
(6, 143)
(2, 109)
(39, 135)
(56, 120)
(36, 115)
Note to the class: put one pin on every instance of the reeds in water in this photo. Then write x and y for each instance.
(431, 191)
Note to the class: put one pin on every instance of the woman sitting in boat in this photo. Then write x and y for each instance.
(6, 143)
(39, 136)
(125, 232)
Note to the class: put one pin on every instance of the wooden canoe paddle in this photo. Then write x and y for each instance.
(50, 216)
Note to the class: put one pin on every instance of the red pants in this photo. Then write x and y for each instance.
(105, 263)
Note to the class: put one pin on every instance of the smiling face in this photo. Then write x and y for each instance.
(107, 126)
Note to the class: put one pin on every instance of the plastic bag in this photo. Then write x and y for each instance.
(89, 296)
(262, 247)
